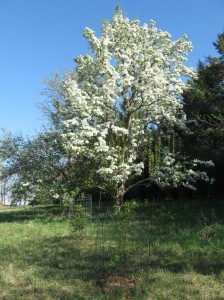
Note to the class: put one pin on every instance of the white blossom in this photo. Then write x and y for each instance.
(132, 81)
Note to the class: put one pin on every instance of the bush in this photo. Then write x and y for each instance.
(79, 221)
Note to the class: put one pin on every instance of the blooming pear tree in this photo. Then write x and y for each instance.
(130, 84)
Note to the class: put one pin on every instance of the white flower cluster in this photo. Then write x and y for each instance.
(174, 172)
(25, 184)
(132, 81)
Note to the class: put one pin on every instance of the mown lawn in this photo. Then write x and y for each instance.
(163, 251)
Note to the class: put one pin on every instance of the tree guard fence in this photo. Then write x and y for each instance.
(86, 202)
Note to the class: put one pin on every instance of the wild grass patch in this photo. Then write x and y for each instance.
(162, 252)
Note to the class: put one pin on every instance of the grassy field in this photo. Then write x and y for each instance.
(162, 251)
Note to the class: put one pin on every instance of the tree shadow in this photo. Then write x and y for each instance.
(66, 262)
(42, 213)
(79, 265)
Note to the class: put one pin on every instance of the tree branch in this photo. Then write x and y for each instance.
(137, 183)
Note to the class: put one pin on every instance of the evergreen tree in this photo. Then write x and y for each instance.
(204, 104)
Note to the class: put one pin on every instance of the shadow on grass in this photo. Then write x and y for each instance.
(23, 214)
(79, 265)
(202, 262)
(66, 268)
(56, 268)
(69, 259)
(38, 293)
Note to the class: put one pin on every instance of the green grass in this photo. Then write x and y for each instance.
(173, 251)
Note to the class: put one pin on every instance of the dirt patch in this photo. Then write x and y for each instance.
(113, 283)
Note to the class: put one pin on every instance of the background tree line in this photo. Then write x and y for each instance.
(204, 106)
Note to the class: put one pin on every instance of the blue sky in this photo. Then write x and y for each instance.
(39, 37)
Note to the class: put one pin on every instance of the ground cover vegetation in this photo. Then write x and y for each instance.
(160, 250)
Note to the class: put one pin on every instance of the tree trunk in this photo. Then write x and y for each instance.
(119, 197)
(99, 205)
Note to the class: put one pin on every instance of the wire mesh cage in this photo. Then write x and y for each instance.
(86, 202)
